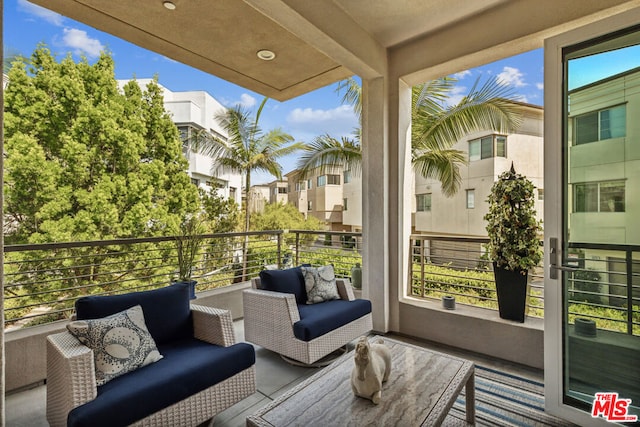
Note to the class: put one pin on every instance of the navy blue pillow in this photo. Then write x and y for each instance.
(166, 310)
(289, 281)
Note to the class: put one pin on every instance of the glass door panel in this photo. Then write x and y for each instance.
(600, 253)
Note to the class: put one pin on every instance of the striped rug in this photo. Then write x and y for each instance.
(505, 400)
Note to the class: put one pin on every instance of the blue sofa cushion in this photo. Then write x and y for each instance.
(319, 319)
(166, 310)
(289, 281)
(188, 367)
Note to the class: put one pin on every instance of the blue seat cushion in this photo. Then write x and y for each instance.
(319, 319)
(166, 310)
(289, 281)
(188, 367)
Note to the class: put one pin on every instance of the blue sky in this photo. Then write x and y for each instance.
(307, 116)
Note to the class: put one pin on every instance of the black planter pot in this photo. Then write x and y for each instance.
(511, 287)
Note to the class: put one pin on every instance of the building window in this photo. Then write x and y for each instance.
(600, 125)
(487, 147)
(309, 205)
(346, 177)
(540, 193)
(333, 179)
(345, 204)
(282, 190)
(300, 185)
(309, 184)
(423, 202)
(607, 196)
(195, 182)
(471, 199)
(322, 180)
(232, 192)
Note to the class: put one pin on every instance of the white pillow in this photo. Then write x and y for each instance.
(320, 284)
(121, 343)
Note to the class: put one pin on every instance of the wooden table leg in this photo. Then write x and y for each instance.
(470, 399)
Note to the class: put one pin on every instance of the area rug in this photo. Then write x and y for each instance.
(504, 399)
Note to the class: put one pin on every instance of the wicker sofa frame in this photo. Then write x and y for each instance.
(269, 317)
(71, 378)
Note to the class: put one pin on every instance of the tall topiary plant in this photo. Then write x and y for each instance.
(514, 245)
(512, 225)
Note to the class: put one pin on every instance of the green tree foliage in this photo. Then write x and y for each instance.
(88, 161)
(85, 161)
(219, 214)
(284, 216)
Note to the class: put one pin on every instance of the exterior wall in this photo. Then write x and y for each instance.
(259, 197)
(198, 109)
(275, 191)
(325, 201)
(450, 215)
(607, 160)
(297, 192)
(352, 192)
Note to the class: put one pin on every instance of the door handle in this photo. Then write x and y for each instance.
(554, 260)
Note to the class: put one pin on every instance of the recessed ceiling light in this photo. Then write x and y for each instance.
(169, 5)
(266, 55)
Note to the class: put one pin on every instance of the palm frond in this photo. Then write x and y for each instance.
(488, 108)
(441, 165)
(352, 94)
(326, 152)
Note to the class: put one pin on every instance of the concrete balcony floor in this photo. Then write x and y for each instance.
(274, 378)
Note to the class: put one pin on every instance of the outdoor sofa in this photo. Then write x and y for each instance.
(202, 370)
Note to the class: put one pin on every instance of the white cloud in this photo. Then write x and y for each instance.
(81, 42)
(41, 12)
(462, 74)
(540, 86)
(246, 101)
(337, 122)
(511, 76)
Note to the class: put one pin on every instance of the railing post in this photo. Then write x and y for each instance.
(297, 248)
(280, 249)
(629, 259)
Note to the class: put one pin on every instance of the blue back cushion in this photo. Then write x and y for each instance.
(166, 310)
(319, 319)
(289, 281)
(188, 367)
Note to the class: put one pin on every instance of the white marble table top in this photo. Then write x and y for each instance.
(422, 387)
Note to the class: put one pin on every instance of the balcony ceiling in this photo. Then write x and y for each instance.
(316, 42)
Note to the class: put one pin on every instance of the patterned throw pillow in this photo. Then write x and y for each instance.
(320, 284)
(121, 343)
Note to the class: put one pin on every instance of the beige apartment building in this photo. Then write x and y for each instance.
(319, 195)
(488, 155)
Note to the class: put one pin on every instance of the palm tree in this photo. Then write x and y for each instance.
(247, 150)
(435, 128)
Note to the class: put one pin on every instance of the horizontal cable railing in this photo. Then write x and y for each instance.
(341, 249)
(43, 281)
(459, 267)
(603, 286)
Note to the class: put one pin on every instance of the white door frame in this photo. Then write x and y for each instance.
(553, 102)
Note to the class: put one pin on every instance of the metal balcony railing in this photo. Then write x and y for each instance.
(604, 285)
(43, 281)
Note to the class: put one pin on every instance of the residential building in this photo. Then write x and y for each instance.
(323, 195)
(278, 191)
(352, 200)
(297, 192)
(194, 111)
(260, 196)
(488, 154)
(5, 81)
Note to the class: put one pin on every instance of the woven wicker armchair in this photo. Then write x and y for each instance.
(269, 319)
(71, 379)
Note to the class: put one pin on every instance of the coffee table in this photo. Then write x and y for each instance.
(421, 390)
